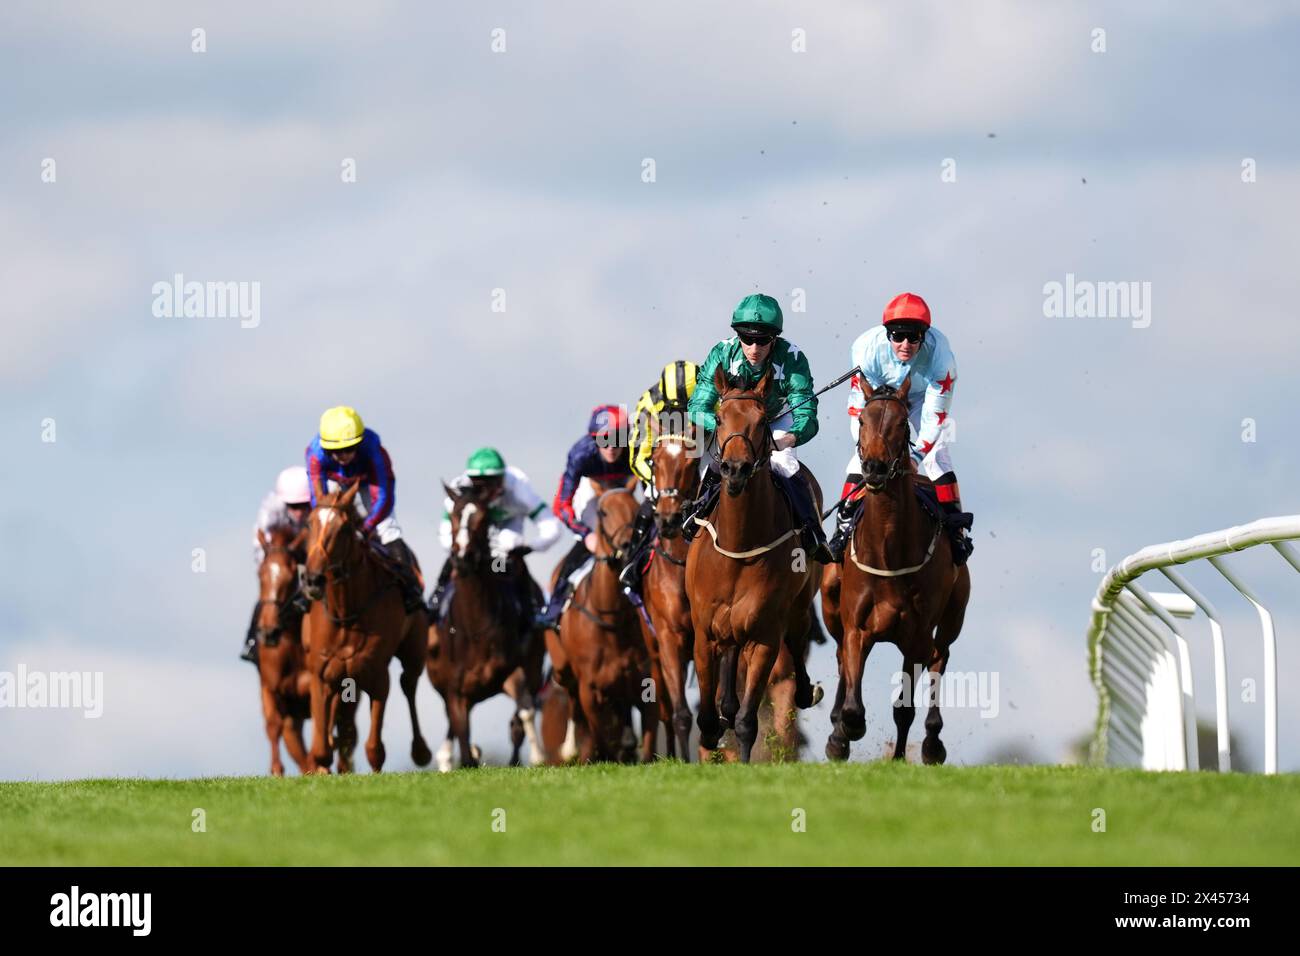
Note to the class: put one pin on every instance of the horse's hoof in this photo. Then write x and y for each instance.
(853, 726)
(420, 753)
(837, 748)
(818, 694)
(933, 752)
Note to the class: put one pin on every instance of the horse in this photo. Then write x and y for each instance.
(484, 645)
(755, 592)
(898, 585)
(357, 624)
(281, 663)
(675, 468)
(599, 653)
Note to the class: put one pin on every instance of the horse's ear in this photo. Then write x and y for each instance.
(764, 384)
(720, 380)
(907, 386)
(451, 492)
(345, 499)
(867, 390)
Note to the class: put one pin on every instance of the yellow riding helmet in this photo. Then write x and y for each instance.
(341, 427)
(677, 382)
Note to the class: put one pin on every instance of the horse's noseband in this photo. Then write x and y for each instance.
(899, 464)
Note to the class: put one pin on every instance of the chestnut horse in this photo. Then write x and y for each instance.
(749, 582)
(675, 467)
(358, 624)
(599, 655)
(484, 644)
(899, 584)
(281, 664)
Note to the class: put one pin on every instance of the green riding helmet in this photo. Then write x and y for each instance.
(485, 463)
(760, 313)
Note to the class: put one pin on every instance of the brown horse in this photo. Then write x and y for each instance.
(281, 664)
(675, 467)
(899, 584)
(357, 624)
(484, 644)
(749, 583)
(599, 655)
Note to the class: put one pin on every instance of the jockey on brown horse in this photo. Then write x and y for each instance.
(750, 591)
(755, 351)
(285, 507)
(277, 630)
(344, 452)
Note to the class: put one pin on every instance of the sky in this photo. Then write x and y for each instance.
(838, 152)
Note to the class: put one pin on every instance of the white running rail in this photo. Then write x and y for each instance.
(1138, 653)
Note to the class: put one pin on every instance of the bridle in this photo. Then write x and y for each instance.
(281, 606)
(769, 443)
(899, 465)
(336, 571)
(670, 493)
(616, 558)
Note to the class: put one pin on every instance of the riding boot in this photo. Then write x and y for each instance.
(439, 592)
(710, 488)
(249, 653)
(845, 519)
(956, 521)
(642, 529)
(811, 535)
(408, 575)
(550, 615)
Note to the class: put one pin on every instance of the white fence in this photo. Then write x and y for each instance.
(1139, 658)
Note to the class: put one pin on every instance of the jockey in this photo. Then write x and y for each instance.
(512, 501)
(757, 347)
(345, 451)
(597, 462)
(904, 344)
(669, 394)
(286, 506)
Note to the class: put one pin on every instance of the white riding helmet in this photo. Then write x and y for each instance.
(292, 486)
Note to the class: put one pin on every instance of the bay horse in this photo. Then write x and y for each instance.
(484, 645)
(281, 663)
(358, 624)
(675, 468)
(750, 584)
(898, 585)
(599, 654)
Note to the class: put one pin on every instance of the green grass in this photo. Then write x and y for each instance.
(667, 813)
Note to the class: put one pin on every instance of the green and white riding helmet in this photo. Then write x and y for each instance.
(485, 463)
(758, 314)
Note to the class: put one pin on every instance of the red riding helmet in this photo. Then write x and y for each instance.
(907, 307)
(606, 419)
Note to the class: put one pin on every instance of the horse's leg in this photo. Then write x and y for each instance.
(447, 752)
(837, 744)
(662, 706)
(950, 623)
(905, 705)
(932, 748)
(730, 699)
(322, 713)
(291, 728)
(412, 653)
(460, 718)
(584, 733)
(271, 716)
(857, 645)
(345, 722)
(378, 691)
(707, 718)
(760, 657)
(796, 640)
(672, 658)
